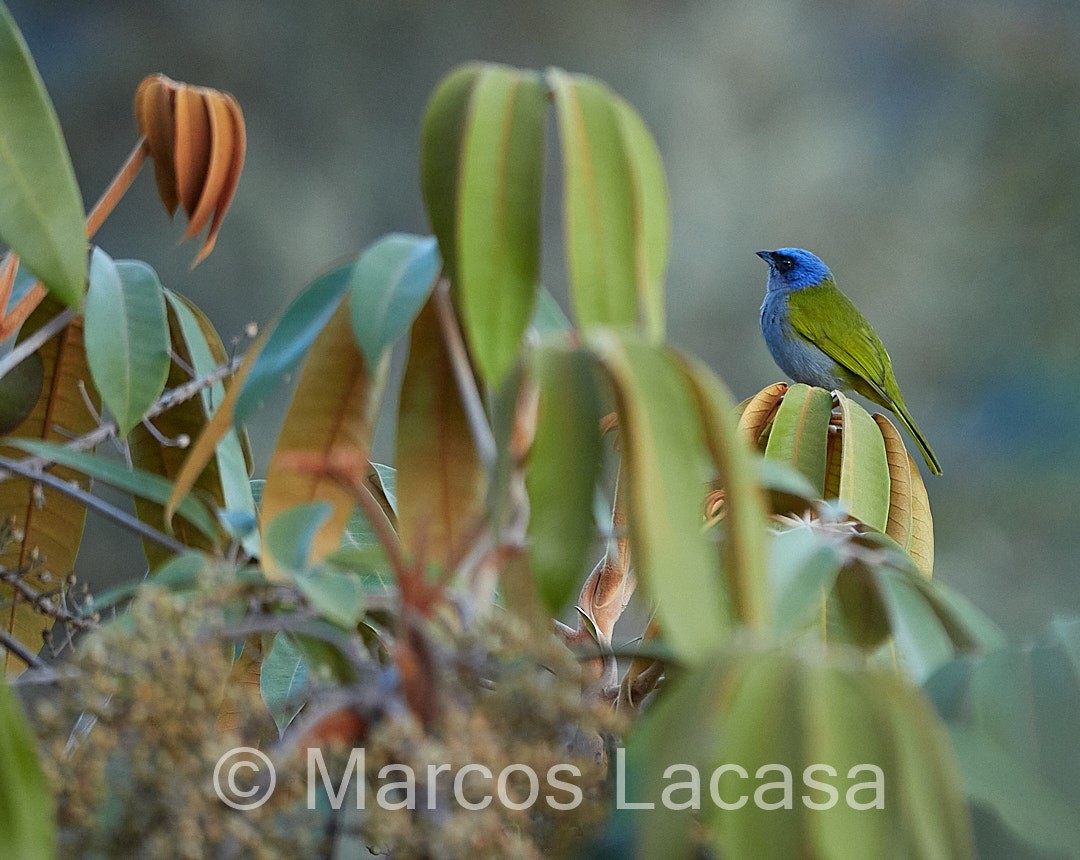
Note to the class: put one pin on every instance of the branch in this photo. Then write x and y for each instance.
(121, 518)
(43, 602)
(172, 397)
(38, 339)
(21, 651)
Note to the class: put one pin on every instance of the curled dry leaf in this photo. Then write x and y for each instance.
(197, 139)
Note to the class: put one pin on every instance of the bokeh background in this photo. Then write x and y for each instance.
(929, 152)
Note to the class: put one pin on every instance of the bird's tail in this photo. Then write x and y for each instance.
(900, 410)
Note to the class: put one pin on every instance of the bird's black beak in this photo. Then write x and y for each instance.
(767, 256)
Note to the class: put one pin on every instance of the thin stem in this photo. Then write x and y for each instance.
(172, 397)
(117, 188)
(125, 520)
(10, 322)
(463, 375)
(33, 343)
(21, 651)
(22, 310)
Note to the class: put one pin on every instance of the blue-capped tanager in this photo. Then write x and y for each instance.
(818, 337)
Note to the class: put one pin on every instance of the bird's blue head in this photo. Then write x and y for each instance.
(794, 269)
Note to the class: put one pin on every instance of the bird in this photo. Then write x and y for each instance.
(817, 336)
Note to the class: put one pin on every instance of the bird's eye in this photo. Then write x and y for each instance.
(785, 264)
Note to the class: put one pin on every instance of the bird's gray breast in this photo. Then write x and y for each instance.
(797, 357)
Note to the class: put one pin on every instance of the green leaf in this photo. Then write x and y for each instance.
(564, 465)
(127, 336)
(206, 352)
(800, 432)
(334, 594)
(224, 481)
(41, 212)
(27, 819)
(288, 537)
(864, 467)
(549, 318)
(743, 544)
(1014, 716)
(134, 481)
(664, 459)
(773, 712)
(498, 215)
(282, 680)
(441, 142)
(387, 477)
(20, 389)
(291, 338)
(390, 283)
(804, 568)
(615, 207)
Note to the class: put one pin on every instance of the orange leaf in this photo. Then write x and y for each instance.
(192, 145)
(758, 411)
(910, 523)
(154, 117)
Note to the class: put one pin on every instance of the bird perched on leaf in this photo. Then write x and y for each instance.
(818, 337)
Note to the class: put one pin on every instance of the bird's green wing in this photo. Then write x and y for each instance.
(828, 319)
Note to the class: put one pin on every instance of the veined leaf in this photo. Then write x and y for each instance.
(338, 596)
(224, 482)
(27, 819)
(440, 479)
(217, 429)
(800, 430)
(51, 531)
(134, 481)
(41, 211)
(615, 207)
(127, 336)
(665, 468)
(498, 215)
(757, 412)
(291, 337)
(441, 142)
(744, 502)
(333, 409)
(864, 469)
(564, 465)
(283, 678)
(910, 523)
(289, 538)
(390, 283)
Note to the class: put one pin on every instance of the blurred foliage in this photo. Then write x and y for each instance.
(926, 151)
(364, 605)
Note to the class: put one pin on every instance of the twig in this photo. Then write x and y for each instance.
(43, 602)
(173, 397)
(117, 188)
(21, 651)
(463, 375)
(33, 343)
(125, 520)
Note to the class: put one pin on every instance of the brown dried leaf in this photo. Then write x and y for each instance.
(193, 145)
(154, 117)
(757, 411)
